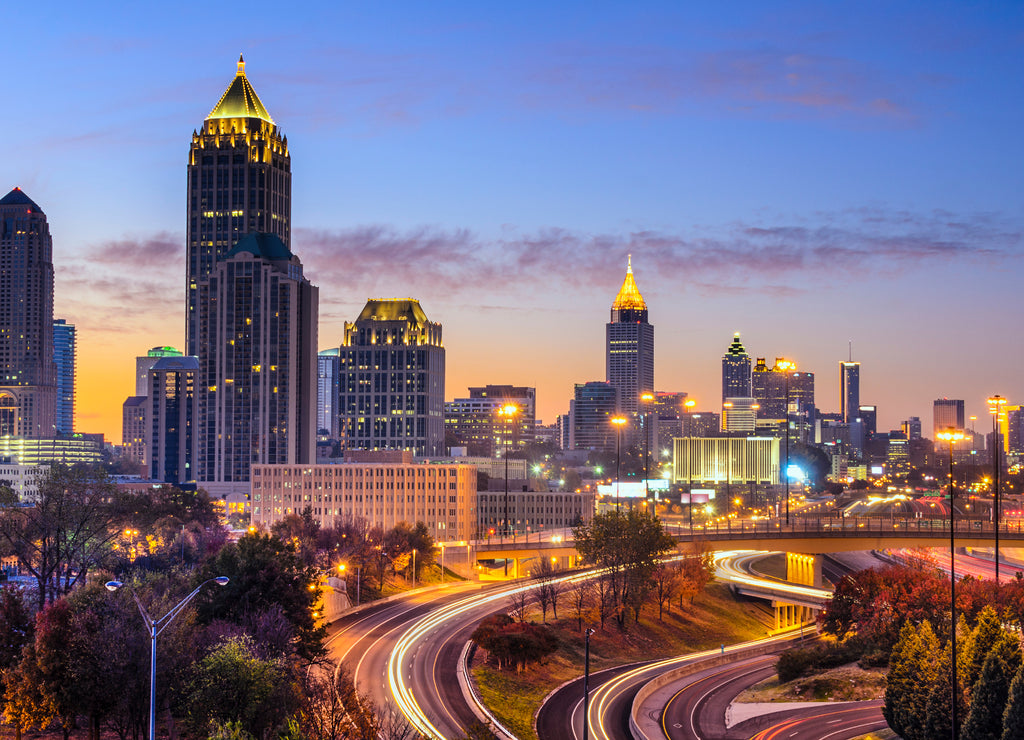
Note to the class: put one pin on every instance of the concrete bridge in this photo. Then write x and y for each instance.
(806, 535)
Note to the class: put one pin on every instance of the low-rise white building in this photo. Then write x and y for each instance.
(533, 511)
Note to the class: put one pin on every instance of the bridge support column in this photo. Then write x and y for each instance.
(803, 569)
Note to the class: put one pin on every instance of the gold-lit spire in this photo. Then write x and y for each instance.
(629, 295)
(240, 100)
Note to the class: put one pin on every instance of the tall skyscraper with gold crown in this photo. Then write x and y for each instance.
(239, 182)
(629, 360)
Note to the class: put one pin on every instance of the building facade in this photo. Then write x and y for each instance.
(28, 374)
(257, 319)
(145, 363)
(391, 377)
(849, 390)
(442, 496)
(946, 413)
(239, 182)
(134, 428)
(629, 355)
(77, 449)
(736, 371)
(591, 411)
(531, 512)
(173, 413)
(328, 423)
(474, 422)
(64, 354)
(727, 459)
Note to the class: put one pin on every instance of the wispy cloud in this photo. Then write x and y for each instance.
(555, 264)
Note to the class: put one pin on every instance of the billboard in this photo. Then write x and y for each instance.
(634, 489)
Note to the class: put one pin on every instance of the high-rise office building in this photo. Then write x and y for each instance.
(172, 411)
(475, 423)
(327, 385)
(134, 428)
(591, 411)
(239, 182)
(736, 371)
(869, 417)
(257, 319)
(849, 390)
(28, 374)
(770, 387)
(64, 346)
(629, 359)
(146, 362)
(946, 413)
(391, 378)
(912, 428)
(739, 415)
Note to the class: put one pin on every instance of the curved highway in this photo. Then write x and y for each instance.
(841, 723)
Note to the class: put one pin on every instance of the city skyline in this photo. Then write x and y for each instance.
(807, 179)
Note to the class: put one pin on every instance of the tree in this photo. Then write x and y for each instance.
(580, 593)
(510, 643)
(68, 530)
(333, 709)
(302, 531)
(628, 546)
(909, 681)
(984, 720)
(666, 583)
(233, 684)
(1013, 717)
(264, 572)
(979, 643)
(404, 539)
(549, 589)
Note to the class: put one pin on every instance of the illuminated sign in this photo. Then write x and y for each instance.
(634, 489)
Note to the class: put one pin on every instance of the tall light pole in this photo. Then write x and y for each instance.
(586, 682)
(690, 404)
(952, 436)
(995, 404)
(619, 422)
(787, 367)
(508, 412)
(155, 627)
(647, 398)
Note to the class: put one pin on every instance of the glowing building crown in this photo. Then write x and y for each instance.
(629, 295)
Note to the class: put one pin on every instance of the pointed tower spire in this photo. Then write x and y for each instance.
(240, 100)
(629, 295)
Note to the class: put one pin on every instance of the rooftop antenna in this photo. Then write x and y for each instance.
(851, 350)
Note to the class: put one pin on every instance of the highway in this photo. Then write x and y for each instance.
(840, 723)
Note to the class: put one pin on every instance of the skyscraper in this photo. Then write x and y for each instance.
(591, 411)
(64, 346)
(28, 374)
(849, 390)
(172, 410)
(947, 412)
(629, 360)
(239, 182)
(735, 371)
(146, 362)
(257, 319)
(391, 378)
(475, 422)
(327, 378)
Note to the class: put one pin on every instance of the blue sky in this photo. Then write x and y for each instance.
(805, 173)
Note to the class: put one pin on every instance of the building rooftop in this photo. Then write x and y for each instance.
(17, 197)
(395, 309)
(629, 295)
(240, 100)
(268, 246)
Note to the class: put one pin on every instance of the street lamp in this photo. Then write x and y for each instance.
(647, 398)
(586, 681)
(995, 404)
(508, 412)
(952, 436)
(156, 628)
(618, 421)
(786, 366)
(689, 404)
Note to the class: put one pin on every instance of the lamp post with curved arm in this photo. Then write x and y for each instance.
(787, 367)
(155, 627)
(952, 436)
(995, 407)
(648, 399)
